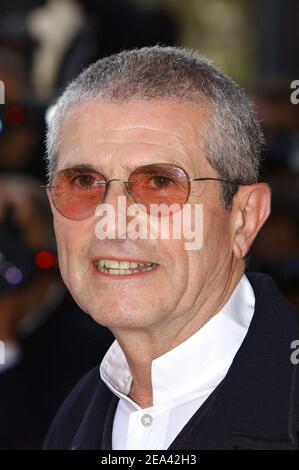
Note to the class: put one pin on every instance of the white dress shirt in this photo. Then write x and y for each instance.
(182, 379)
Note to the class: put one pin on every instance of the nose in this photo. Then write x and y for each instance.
(118, 200)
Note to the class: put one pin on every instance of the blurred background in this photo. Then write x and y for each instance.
(49, 342)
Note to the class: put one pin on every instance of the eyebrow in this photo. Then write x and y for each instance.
(157, 168)
(82, 168)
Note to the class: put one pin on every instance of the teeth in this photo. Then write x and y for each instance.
(112, 264)
(120, 268)
(133, 265)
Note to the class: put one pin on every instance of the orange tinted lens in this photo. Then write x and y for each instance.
(159, 184)
(76, 194)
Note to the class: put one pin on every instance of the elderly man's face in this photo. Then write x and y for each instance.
(117, 139)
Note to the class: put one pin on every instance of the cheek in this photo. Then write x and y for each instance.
(175, 262)
(215, 248)
(181, 257)
(216, 229)
(70, 240)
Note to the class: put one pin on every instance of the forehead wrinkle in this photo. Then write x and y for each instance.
(144, 142)
(148, 128)
(75, 151)
(166, 134)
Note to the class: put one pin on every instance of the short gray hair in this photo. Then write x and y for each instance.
(232, 139)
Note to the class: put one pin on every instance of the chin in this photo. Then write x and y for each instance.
(120, 316)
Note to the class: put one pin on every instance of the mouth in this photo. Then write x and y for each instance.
(112, 267)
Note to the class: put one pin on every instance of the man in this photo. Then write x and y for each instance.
(202, 357)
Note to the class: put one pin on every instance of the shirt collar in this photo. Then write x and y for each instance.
(196, 365)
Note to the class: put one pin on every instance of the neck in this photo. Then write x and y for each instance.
(142, 346)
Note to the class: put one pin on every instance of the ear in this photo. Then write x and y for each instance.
(251, 207)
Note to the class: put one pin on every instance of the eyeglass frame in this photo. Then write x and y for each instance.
(107, 182)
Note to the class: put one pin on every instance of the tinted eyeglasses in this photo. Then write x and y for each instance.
(76, 192)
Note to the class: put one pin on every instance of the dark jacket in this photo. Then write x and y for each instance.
(256, 406)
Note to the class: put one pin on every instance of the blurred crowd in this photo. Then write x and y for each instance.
(49, 341)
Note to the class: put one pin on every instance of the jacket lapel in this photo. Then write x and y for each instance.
(95, 431)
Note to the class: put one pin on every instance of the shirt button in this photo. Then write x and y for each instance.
(147, 420)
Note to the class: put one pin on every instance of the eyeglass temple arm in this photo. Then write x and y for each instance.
(238, 183)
